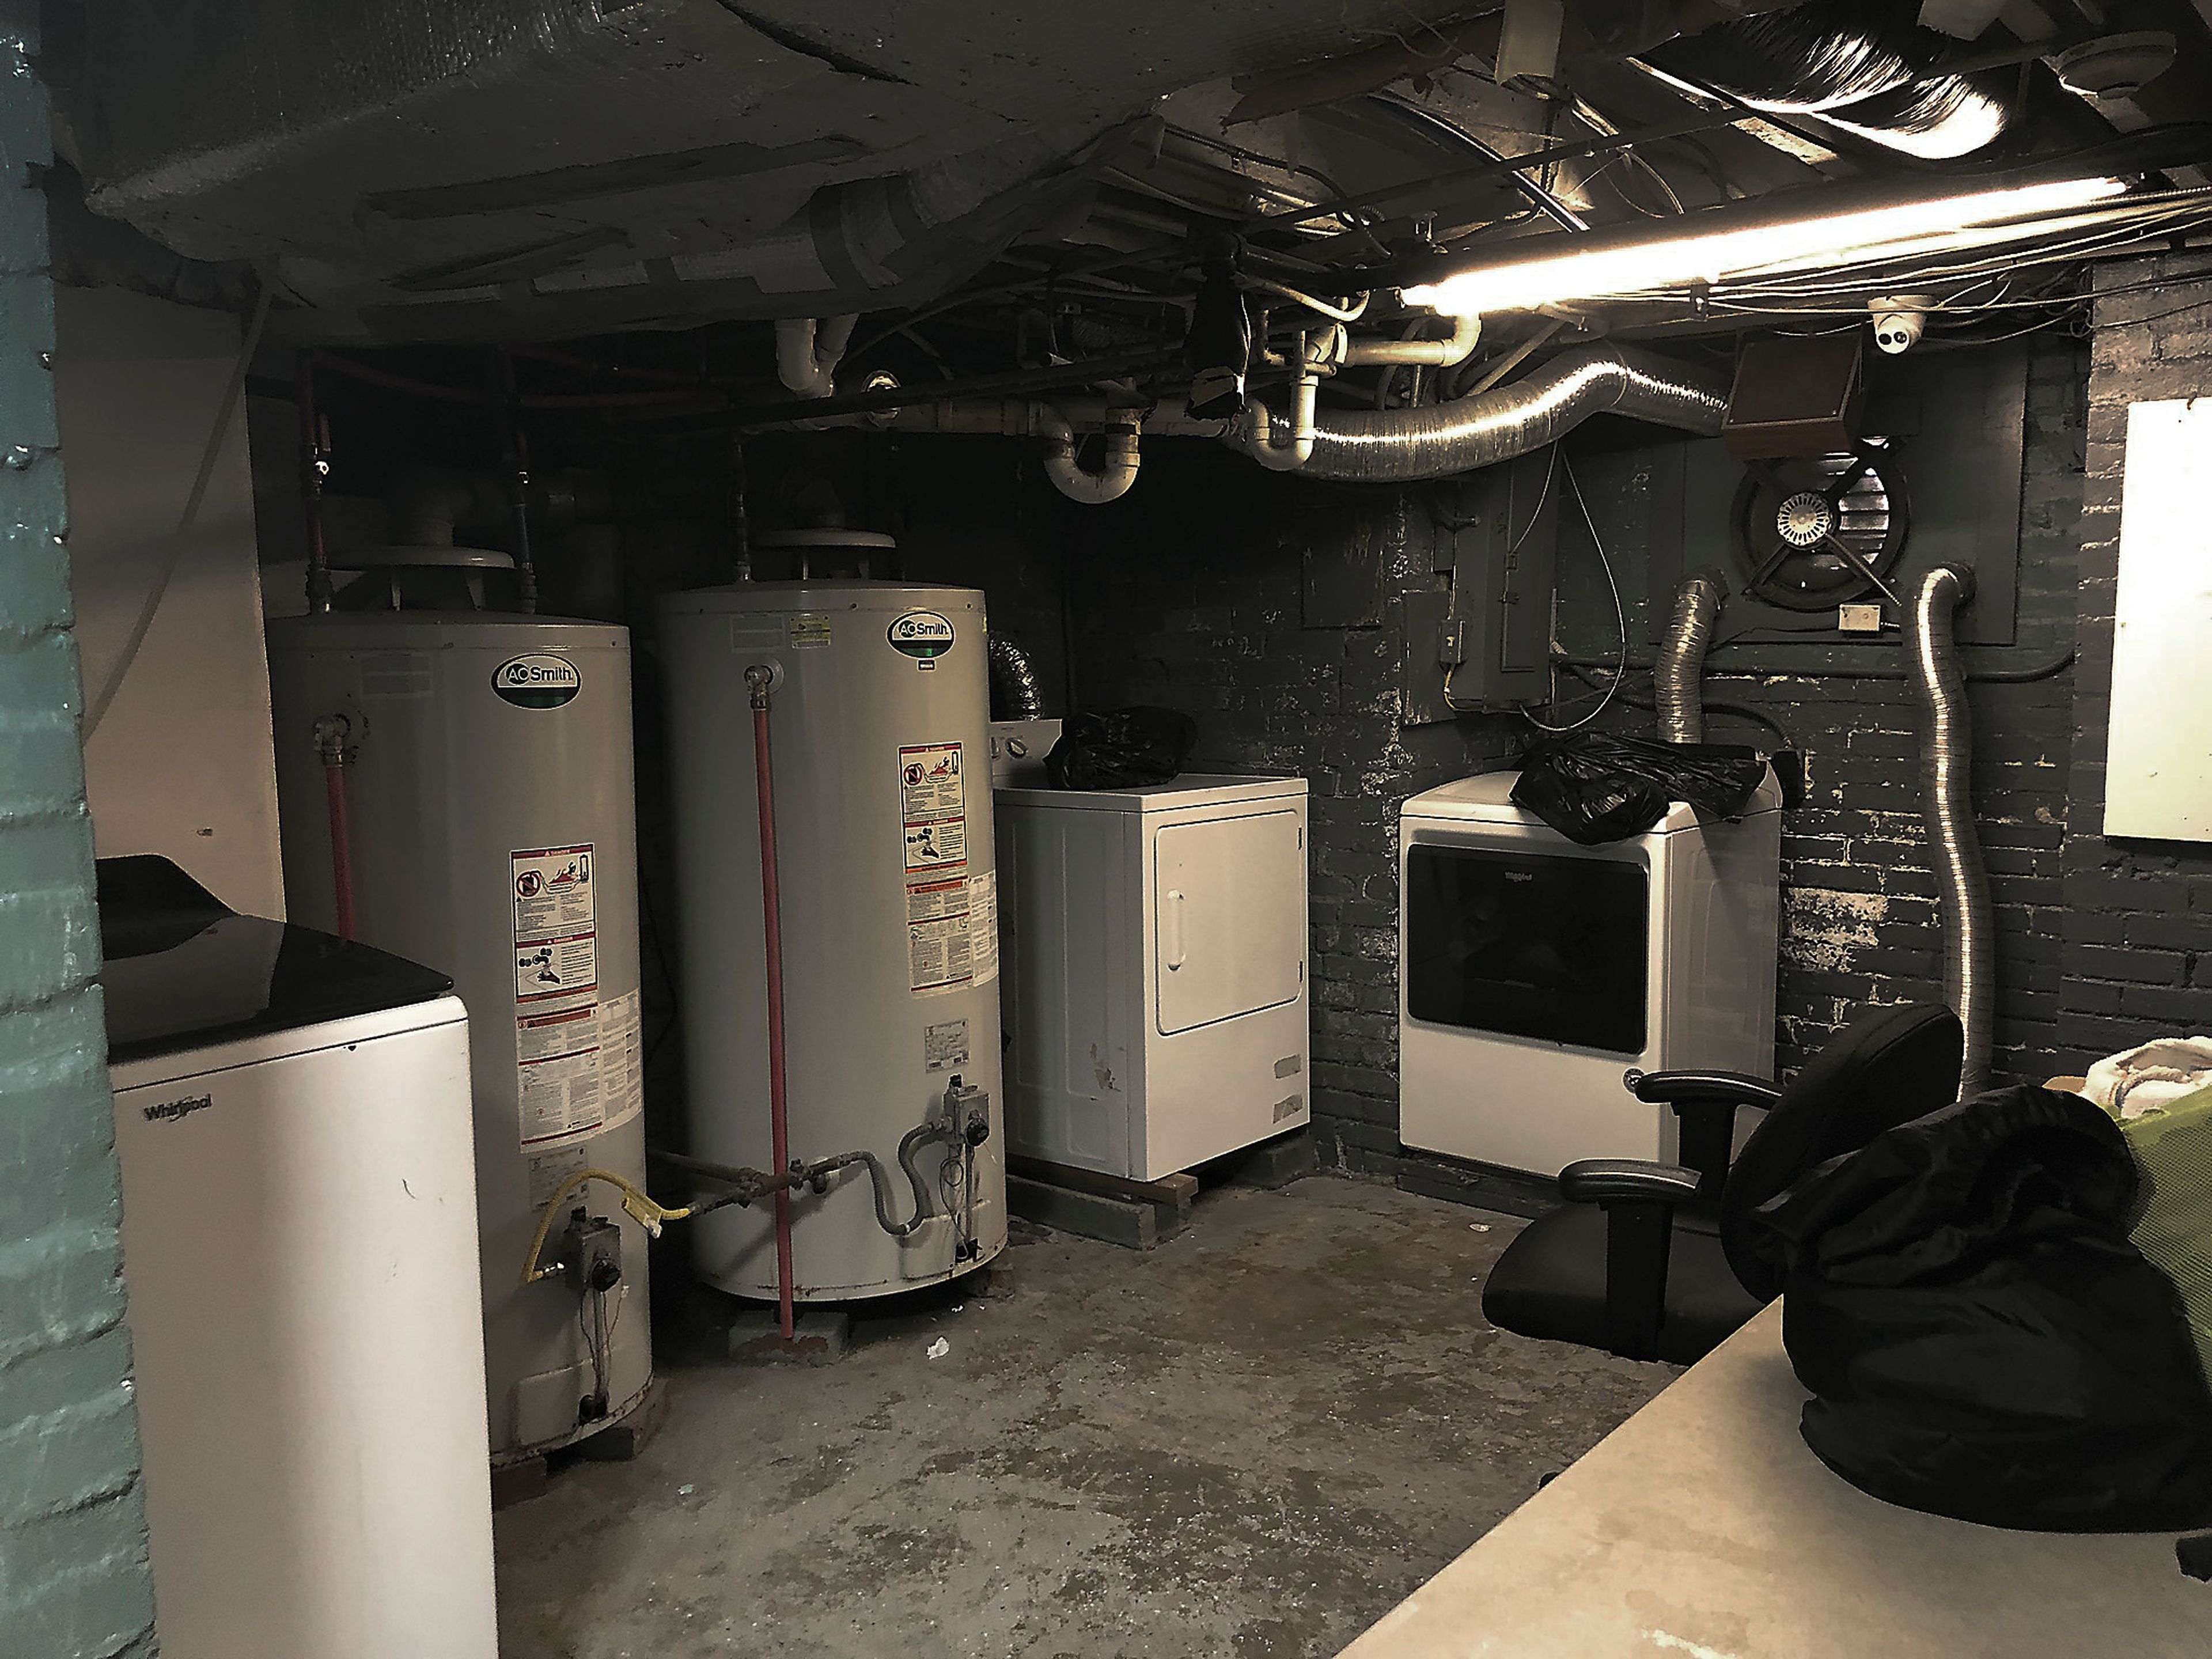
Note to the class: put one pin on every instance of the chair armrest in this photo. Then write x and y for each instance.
(1639, 1201)
(1620, 1179)
(1681, 1088)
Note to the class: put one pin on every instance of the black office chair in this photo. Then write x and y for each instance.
(1654, 1260)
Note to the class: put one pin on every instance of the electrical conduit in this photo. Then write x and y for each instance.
(1969, 981)
(760, 680)
(1677, 677)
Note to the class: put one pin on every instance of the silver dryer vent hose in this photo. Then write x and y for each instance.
(1402, 446)
(1946, 758)
(1678, 676)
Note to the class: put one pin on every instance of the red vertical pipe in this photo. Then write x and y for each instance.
(334, 787)
(772, 918)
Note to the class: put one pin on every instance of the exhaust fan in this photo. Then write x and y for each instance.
(1815, 533)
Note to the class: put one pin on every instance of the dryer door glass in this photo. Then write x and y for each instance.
(1529, 946)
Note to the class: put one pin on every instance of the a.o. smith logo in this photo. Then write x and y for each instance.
(168, 1111)
(537, 680)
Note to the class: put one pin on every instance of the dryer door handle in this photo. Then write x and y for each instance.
(1171, 950)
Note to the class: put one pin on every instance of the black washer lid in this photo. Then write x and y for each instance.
(182, 972)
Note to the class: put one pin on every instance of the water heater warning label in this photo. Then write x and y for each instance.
(933, 811)
(552, 890)
(561, 966)
(568, 1064)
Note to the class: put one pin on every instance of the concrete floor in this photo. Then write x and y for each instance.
(1250, 1442)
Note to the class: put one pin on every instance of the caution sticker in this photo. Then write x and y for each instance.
(933, 811)
(552, 890)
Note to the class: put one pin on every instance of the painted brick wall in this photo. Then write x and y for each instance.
(72, 1576)
(2138, 926)
(1860, 921)
(1267, 606)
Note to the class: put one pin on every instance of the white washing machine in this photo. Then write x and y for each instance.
(300, 1249)
(1534, 973)
(1153, 970)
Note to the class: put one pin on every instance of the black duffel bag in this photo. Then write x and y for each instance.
(1980, 1338)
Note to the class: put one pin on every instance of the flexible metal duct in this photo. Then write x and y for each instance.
(1015, 695)
(1678, 676)
(1868, 68)
(1403, 446)
(1969, 984)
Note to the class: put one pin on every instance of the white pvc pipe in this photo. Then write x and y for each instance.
(806, 356)
(1435, 353)
(1112, 481)
(1256, 437)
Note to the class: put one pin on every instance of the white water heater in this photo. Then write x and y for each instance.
(486, 774)
(880, 736)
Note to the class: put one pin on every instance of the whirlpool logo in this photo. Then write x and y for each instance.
(538, 680)
(168, 1111)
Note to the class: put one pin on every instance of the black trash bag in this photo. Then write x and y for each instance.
(1980, 1338)
(1594, 787)
(1122, 749)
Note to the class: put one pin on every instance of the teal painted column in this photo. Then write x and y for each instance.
(74, 1583)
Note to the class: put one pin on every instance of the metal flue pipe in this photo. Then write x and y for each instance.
(1946, 755)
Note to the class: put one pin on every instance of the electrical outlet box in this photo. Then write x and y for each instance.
(1858, 619)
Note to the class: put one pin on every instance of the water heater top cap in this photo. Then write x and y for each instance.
(808, 595)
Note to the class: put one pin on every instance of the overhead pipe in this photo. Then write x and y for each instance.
(807, 353)
(760, 679)
(1115, 475)
(1678, 677)
(1434, 354)
(1400, 446)
(1947, 756)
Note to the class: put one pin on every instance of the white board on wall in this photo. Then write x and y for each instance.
(2158, 759)
(182, 764)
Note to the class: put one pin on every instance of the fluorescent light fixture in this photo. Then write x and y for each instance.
(1643, 261)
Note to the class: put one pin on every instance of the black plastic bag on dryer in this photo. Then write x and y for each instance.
(1122, 750)
(1593, 786)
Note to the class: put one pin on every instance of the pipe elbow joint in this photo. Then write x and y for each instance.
(1113, 479)
(808, 352)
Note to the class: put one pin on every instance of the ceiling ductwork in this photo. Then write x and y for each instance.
(1437, 441)
(1868, 69)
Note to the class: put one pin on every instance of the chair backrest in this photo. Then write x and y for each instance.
(1888, 1066)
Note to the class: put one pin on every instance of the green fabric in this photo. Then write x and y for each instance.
(2173, 1145)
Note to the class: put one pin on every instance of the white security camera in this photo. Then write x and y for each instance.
(1899, 320)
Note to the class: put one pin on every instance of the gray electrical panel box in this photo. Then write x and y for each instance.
(1485, 645)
